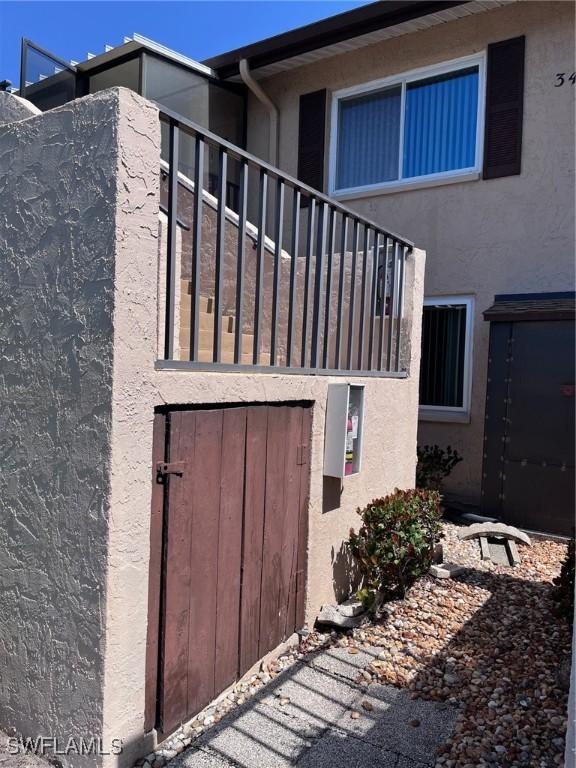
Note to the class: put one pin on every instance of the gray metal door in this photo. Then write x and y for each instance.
(528, 477)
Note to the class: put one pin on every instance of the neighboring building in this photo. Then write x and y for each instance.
(207, 366)
(455, 122)
(175, 303)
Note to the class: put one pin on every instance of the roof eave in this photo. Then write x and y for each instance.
(344, 26)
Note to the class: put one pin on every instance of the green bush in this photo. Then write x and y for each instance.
(395, 544)
(434, 465)
(565, 584)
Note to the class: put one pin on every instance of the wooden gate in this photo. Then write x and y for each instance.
(228, 549)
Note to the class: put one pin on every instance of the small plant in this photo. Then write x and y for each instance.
(434, 465)
(565, 584)
(395, 544)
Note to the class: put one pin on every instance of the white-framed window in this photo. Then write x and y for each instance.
(446, 360)
(423, 126)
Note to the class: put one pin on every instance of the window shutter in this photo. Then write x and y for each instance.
(311, 134)
(504, 108)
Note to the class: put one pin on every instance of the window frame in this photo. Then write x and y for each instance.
(422, 73)
(454, 412)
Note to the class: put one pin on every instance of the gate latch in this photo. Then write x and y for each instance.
(164, 468)
(301, 454)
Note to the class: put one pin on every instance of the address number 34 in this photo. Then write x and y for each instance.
(562, 77)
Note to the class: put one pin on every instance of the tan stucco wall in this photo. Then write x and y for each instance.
(509, 235)
(389, 436)
(80, 270)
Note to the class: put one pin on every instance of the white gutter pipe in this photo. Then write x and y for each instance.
(249, 81)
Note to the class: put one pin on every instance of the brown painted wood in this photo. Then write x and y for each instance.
(301, 574)
(504, 108)
(311, 139)
(177, 578)
(254, 498)
(154, 575)
(273, 587)
(204, 558)
(289, 551)
(230, 547)
(235, 550)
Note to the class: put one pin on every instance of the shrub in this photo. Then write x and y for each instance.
(434, 465)
(565, 584)
(395, 544)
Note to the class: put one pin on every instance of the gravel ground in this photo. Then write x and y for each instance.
(488, 641)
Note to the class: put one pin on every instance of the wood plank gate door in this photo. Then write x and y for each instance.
(228, 549)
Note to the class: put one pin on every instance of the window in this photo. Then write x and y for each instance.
(446, 361)
(424, 125)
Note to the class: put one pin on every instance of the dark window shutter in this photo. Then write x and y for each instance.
(504, 108)
(311, 132)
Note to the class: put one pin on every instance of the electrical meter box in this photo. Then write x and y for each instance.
(343, 431)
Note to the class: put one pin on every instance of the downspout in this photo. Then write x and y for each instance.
(249, 81)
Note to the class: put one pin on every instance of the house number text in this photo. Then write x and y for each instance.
(562, 78)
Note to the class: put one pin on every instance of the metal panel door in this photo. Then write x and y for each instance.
(529, 437)
(233, 547)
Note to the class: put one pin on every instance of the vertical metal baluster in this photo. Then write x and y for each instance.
(293, 267)
(220, 243)
(352, 302)
(278, 235)
(260, 264)
(171, 241)
(318, 275)
(400, 302)
(329, 267)
(309, 241)
(363, 298)
(196, 247)
(341, 277)
(373, 297)
(383, 302)
(242, 204)
(392, 304)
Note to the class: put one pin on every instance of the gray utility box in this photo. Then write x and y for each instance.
(343, 431)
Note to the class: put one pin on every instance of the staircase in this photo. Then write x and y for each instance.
(206, 332)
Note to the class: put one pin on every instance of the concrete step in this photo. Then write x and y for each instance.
(206, 320)
(206, 340)
(206, 302)
(205, 356)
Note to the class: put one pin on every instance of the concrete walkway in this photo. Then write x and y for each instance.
(303, 718)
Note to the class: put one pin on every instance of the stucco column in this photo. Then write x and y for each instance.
(135, 351)
(78, 198)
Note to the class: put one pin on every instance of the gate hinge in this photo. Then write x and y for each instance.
(164, 468)
(302, 454)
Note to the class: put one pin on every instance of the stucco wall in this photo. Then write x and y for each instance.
(57, 232)
(14, 108)
(80, 342)
(508, 235)
(389, 447)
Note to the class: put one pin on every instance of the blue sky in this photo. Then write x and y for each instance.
(197, 28)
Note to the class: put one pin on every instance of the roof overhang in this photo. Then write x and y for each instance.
(363, 26)
(140, 43)
(518, 307)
